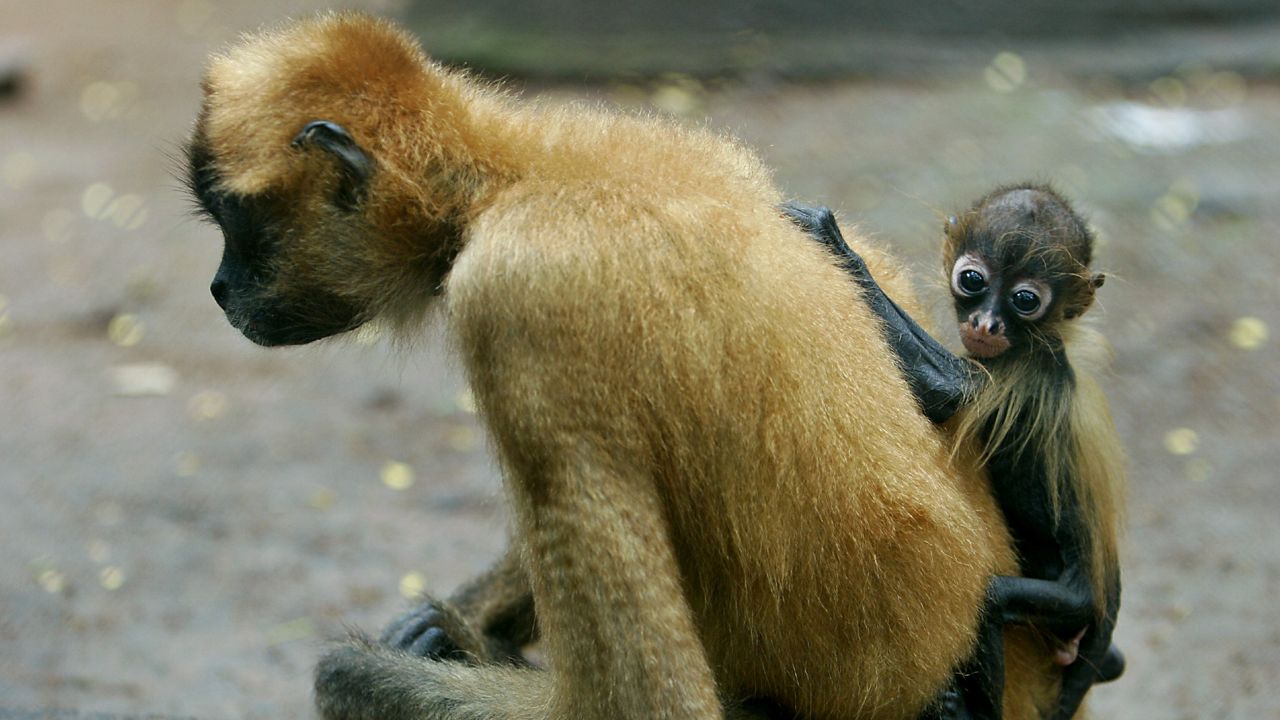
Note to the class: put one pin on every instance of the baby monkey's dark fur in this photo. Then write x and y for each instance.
(1018, 261)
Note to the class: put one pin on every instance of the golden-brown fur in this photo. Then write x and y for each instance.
(721, 482)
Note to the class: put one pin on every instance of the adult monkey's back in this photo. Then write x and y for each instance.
(721, 483)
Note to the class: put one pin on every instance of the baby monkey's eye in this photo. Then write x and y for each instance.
(971, 282)
(969, 276)
(1026, 302)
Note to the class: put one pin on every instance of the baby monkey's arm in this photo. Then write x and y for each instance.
(940, 380)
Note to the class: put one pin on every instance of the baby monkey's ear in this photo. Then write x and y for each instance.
(1081, 302)
(356, 165)
(949, 226)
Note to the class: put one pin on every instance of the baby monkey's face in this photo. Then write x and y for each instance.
(997, 307)
(1019, 266)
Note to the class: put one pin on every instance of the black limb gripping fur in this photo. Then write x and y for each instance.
(939, 379)
(942, 383)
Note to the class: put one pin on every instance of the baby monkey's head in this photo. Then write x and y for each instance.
(1018, 263)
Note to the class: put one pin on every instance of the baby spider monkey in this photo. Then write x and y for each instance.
(1018, 263)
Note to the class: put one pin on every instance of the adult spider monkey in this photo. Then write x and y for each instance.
(721, 484)
(1018, 262)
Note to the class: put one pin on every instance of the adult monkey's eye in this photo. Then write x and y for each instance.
(1026, 302)
(971, 282)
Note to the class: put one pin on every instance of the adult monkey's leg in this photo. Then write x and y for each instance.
(598, 549)
(361, 680)
(610, 600)
(366, 681)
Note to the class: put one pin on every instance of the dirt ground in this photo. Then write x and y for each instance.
(184, 517)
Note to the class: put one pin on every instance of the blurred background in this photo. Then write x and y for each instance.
(185, 517)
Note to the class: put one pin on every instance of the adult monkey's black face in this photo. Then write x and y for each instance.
(267, 282)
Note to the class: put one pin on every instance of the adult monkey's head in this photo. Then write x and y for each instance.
(339, 164)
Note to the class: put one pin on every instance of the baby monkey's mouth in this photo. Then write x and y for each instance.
(981, 344)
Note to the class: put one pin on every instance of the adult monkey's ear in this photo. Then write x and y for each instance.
(355, 163)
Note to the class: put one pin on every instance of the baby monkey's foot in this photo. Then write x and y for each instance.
(1070, 650)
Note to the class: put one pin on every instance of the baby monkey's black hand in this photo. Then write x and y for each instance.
(940, 381)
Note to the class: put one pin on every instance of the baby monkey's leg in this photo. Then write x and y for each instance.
(1098, 660)
(978, 686)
